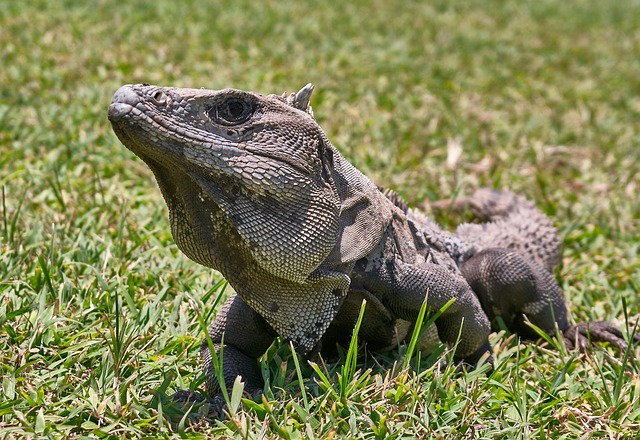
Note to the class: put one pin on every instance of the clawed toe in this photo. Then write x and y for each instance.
(583, 334)
(188, 396)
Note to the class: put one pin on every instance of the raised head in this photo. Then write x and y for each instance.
(255, 190)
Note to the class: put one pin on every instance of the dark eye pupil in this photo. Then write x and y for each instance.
(231, 110)
(235, 109)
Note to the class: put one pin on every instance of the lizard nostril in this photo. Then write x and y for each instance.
(122, 102)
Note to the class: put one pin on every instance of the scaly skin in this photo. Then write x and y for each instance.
(256, 191)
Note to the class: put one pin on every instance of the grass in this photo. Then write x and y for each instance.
(100, 314)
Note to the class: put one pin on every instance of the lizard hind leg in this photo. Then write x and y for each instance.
(512, 287)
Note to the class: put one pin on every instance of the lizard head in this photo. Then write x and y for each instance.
(253, 184)
(262, 160)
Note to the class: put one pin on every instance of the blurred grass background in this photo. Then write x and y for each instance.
(428, 98)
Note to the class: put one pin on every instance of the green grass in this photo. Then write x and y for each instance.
(99, 312)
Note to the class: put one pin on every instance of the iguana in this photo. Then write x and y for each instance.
(256, 191)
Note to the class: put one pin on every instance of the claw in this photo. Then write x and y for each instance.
(217, 402)
(187, 396)
(581, 335)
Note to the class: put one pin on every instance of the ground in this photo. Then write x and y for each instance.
(101, 316)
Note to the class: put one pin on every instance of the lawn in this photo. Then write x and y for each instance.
(101, 316)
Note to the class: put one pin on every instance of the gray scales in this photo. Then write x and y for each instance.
(256, 191)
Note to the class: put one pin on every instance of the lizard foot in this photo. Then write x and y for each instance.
(188, 397)
(583, 334)
(472, 361)
(217, 403)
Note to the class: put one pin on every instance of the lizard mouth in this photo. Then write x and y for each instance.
(123, 114)
(133, 123)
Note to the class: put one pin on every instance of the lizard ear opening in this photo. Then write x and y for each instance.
(363, 222)
(364, 214)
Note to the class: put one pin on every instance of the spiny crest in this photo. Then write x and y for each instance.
(395, 198)
(300, 100)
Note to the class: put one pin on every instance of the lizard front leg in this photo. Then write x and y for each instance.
(512, 287)
(246, 337)
(405, 289)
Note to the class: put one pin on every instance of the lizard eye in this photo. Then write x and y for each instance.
(231, 111)
(159, 97)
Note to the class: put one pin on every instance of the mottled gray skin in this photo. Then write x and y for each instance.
(256, 191)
